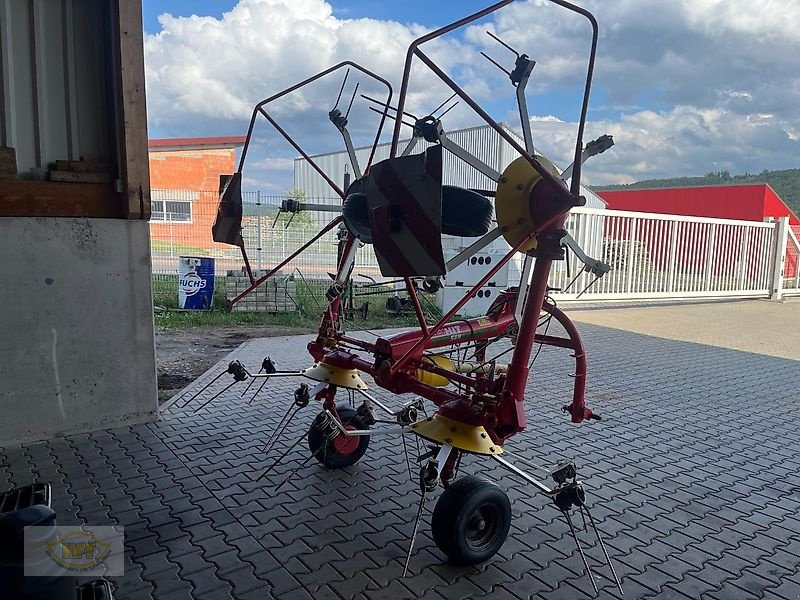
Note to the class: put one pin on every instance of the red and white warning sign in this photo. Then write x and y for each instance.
(404, 201)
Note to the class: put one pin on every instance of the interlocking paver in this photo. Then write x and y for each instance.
(691, 505)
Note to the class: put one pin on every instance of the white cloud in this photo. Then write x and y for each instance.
(718, 79)
(681, 141)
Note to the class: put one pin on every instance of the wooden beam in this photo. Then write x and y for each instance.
(25, 198)
(134, 110)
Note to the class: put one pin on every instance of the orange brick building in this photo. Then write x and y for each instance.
(184, 177)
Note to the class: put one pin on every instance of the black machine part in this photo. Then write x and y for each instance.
(464, 212)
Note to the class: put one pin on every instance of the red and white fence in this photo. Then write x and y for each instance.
(653, 256)
(670, 256)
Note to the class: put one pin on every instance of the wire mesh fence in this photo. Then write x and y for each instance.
(652, 256)
(181, 226)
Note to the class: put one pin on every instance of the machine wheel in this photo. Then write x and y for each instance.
(341, 451)
(464, 212)
(354, 210)
(471, 520)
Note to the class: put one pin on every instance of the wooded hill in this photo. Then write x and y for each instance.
(786, 183)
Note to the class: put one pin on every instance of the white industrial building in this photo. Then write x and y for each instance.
(484, 143)
(481, 141)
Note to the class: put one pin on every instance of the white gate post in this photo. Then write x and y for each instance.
(778, 262)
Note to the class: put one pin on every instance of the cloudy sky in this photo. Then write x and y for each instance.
(684, 86)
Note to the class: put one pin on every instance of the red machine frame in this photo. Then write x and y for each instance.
(488, 399)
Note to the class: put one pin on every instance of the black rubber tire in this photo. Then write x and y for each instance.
(464, 213)
(354, 211)
(471, 520)
(325, 451)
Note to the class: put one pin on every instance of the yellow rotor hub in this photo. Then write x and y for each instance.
(326, 373)
(469, 438)
(512, 205)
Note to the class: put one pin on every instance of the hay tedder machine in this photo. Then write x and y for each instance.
(462, 399)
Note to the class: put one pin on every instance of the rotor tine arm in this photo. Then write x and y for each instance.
(411, 145)
(605, 551)
(580, 550)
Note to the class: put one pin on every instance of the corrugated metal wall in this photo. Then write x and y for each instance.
(483, 142)
(53, 80)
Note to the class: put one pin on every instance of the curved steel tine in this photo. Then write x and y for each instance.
(217, 395)
(452, 106)
(605, 552)
(405, 451)
(390, 107)
(353, 97)
(433, 112)
(280, 458)
(203, 389)
(406, 123)
(279, 428)
(294, 471)
(580, 550)
(341, 89)
(252, 381)
(258, 391)
(494, 37)
(414, 532)
(495, 63)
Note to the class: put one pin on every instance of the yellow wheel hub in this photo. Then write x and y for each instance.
(326, 373)
(469, 438)
(512, 205)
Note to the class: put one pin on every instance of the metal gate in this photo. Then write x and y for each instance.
(670, 256)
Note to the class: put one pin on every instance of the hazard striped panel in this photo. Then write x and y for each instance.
(404, 201)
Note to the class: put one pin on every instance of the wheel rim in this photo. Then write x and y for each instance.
(482, 527)
(345, 445)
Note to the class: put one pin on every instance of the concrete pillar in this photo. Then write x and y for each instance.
(76, 325)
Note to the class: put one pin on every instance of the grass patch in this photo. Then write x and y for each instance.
(310, 299)
(209, 318)
(164, 246)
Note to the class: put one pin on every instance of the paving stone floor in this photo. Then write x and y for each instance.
(692, 475)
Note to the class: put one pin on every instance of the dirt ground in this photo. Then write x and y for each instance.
(182, 355)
